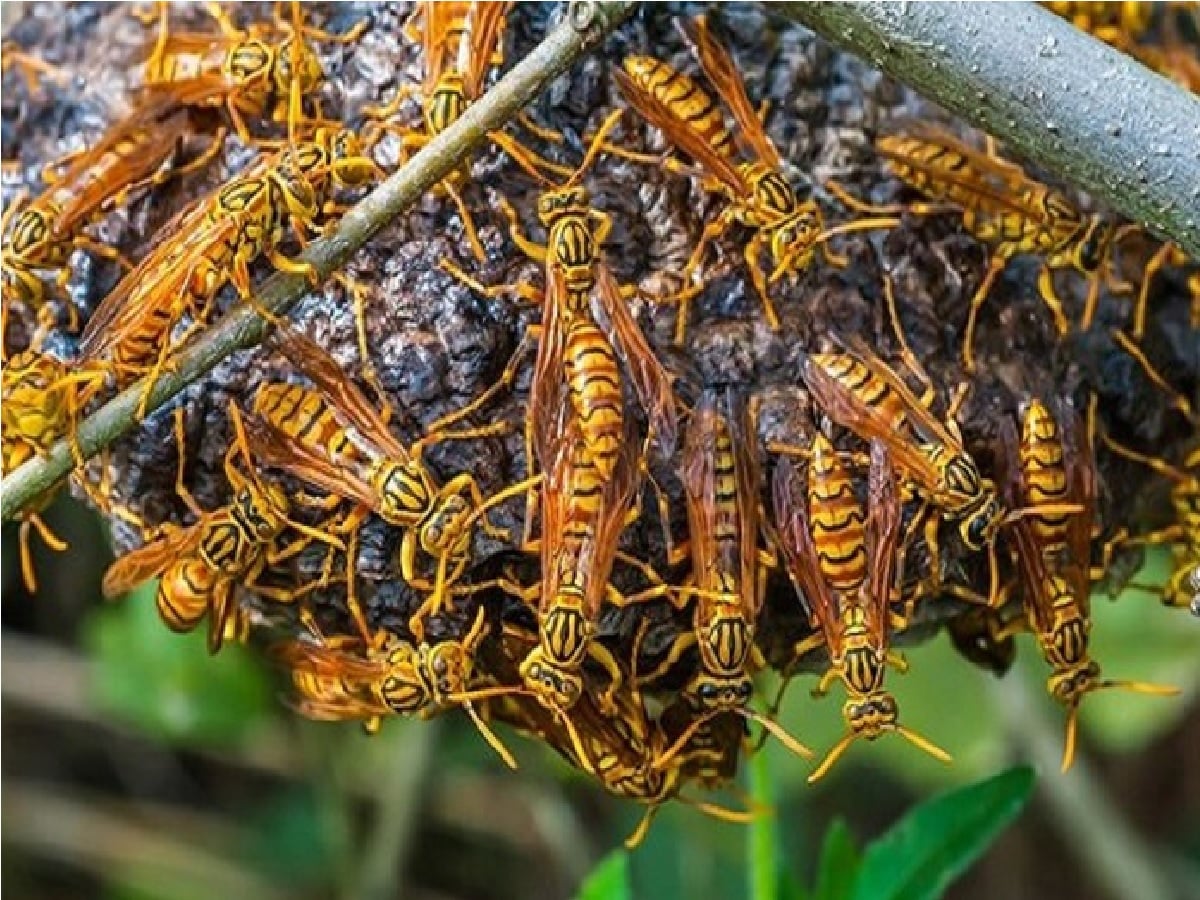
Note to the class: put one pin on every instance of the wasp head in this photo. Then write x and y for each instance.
(1092, 247)
(307, 75)
(979, 526)
(870, 715)
(794, 240)
(715, 693)
(553, 205)
(445, 531)
(404, 492)
(444, 667)
(554, 687)
(1069, 684)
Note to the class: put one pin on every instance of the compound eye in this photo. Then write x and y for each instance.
(977, 533)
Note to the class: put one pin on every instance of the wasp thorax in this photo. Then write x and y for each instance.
(447, 103)
(404, 492)
(261, 512)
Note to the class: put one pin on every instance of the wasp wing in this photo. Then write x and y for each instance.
(680, 133)
(351, 407)
(487, 28)
(800, 551)
(150, 560)
(1082, 489)
(883, 536)
(1031, 565)
(650, 380)
(547, 390)
(721, 70)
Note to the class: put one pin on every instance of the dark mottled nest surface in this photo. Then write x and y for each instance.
(435, 344)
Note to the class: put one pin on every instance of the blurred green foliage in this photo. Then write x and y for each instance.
(916, 859)
(167, 684)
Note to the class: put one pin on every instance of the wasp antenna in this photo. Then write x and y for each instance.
(735, 816)
(781, 734)
(639, 833)
(596, 146)
(1141, 687)
(838, 749)
(490, 736)
(1072, 730)
(664, 759)
(925, 744)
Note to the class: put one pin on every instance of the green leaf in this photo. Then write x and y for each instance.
(167, 684)
(838, 864)
(920, 856)
(609, 880)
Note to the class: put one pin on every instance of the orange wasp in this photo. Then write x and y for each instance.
(129, 157)
(853, 625)
(721, 482)
(212, 242)
(589, 340)
(248, 71)
(339, 678)
(612, 739)
(462, 43)
(743, 165)
(1054, 562)
(202, 565)
(1002, 206)
(333, 437)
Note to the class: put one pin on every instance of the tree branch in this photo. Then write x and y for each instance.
(586, 24)
(1056, 95)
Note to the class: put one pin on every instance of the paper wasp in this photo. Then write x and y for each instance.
(1002, 206)
(589, 340)
(1054, 558)
(462, 43)
(129, 157)
(860, 392)
(251, 72)
(35, 413)
(202, 565)
(853, 625)
(338, 678)
(743, 166)
(612, 739)
(210, 243)
(721, 483)
(331, 436)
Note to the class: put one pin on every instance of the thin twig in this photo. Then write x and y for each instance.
(1055, 95)
(586, 24)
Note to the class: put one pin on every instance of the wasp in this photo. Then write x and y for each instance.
(338, 678)
(129, 157)
(743, 166)
(854, 625)
(721, 483)
(462, 44)
(1004, 207)
(1054, 558)
(589, 340)
(202, 565)
(210, 243)
(861, 393)
(250, 72)
(613, 740)
(333, 437)
(35, 413)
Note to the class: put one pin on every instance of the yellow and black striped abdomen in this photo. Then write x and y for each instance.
(838, 521)
(690, 103)
(594, 381)
(940, 173)
(871, 390)
(303, 415)
(1044, 474)
(184, 591)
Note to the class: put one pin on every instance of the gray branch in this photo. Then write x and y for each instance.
(1055, 95)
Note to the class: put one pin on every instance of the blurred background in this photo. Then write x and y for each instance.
(136, 766)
